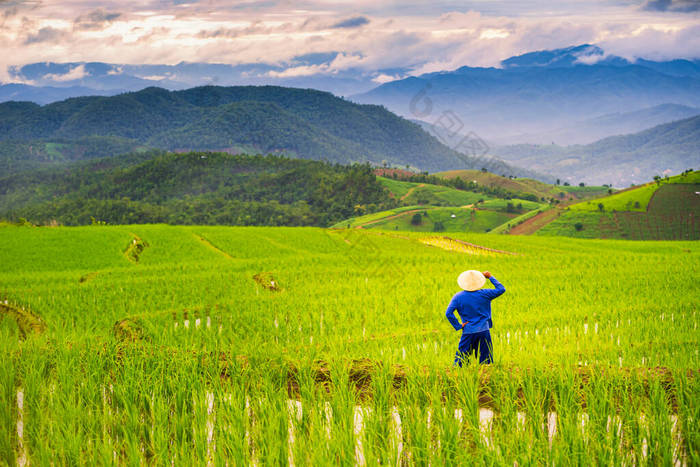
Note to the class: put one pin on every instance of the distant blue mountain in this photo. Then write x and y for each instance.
(45, 94)
(46, 82)
(665, 149)
(566, 57)
(619, 123)
(689, 68)
(540, 92)
(588, 54)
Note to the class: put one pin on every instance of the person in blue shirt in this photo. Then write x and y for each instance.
(473, 304)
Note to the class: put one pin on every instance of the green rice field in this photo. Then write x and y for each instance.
(163, 345)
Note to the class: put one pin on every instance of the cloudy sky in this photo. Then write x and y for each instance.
(368, 35)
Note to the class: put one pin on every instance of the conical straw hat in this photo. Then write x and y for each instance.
(471, 280)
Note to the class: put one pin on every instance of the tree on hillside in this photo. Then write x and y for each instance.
(416, 219)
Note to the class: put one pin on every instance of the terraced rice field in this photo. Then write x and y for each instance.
(670, 211)
(258, 346)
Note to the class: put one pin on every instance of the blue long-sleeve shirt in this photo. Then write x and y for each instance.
(474, 308)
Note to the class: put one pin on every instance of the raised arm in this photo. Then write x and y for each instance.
(450, 313)
(493, 293)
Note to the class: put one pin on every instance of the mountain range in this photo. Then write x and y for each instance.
(46, 82)
(575, 113)
(619, 123)
(620, 161)
(300, 123)
(541, 93)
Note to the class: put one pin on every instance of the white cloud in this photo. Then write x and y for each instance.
(77, 72)
(494, 34)
(305, 70)
(384, 78)
(155, 77)
(590, 59)
(424, 36)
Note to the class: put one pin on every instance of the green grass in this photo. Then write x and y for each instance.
(53, 150)
(440, 203)
(636, 199)
(502, 204)
(524, 185)
(445, 196)
(565, 224)
(465, 220)
(691, 177)
(672, 213)
(183, 358)
(356, 221)
(427, 194)
(397, 187)
(631, 200)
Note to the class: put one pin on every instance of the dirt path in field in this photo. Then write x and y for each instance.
(412, 211)
(535, 223)
(411, 190)
(211, 246)
(88, 277)
(653, 195)
(27, 322)
(338, 230)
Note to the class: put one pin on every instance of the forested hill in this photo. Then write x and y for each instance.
(302, 123)
(193, 188)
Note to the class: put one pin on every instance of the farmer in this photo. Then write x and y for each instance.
(474, 308)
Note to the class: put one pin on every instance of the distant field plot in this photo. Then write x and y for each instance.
(261, 345)
(467, 212)
(631, 200)
(525, 185)
(360, 220)
(676, 199)
(441, 219)
(519, 204)
(672, 213)
(636, 199)
(421, 193)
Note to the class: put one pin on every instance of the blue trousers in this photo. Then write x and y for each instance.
(475, 343)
